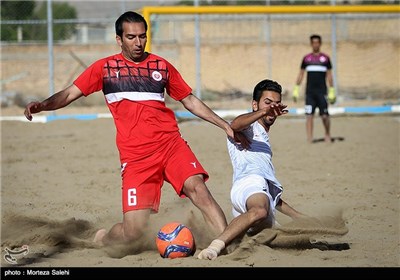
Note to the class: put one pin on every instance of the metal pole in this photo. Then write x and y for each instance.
(123, 6)
(268, 39)
(334, 47)
(197, 47)
(50, 46)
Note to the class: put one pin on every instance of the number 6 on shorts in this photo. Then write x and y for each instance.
(132, 197)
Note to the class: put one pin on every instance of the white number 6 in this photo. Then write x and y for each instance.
(132, 197)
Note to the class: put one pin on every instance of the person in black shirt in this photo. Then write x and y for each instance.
(319, 71)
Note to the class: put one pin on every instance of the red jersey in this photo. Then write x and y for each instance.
(134, 93)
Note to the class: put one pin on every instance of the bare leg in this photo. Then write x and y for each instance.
(286, 209)
(309, 127)
(131, 228)
(257, 213)
(327, 125)
(195, 188)
(258, 207)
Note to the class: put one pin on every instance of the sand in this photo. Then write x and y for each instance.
(61, 182)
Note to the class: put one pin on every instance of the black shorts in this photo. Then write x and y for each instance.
(316, 100)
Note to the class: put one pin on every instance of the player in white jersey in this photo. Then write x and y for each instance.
(256, 192)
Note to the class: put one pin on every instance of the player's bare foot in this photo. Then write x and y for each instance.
(328, 139)
(98, 238)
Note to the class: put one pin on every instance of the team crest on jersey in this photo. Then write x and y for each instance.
(156, 76)
(322, 59)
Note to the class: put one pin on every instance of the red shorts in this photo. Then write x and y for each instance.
(142, 180)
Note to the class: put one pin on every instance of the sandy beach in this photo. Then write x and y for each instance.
(61, 182)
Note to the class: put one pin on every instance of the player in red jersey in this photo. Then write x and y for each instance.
(150, 145)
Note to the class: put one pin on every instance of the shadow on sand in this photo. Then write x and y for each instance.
(334, 139)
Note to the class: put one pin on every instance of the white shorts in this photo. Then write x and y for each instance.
(252, 184)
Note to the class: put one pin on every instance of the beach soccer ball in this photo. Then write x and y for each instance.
(175, 240)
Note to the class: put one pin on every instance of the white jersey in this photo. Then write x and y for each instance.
(253, 171)
(255, 160)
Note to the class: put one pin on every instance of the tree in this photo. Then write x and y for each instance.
(27, 10)
(15, 10)
(61, 31)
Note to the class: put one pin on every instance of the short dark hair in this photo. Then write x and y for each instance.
(128, 17)
(266, 85)
(315, 36)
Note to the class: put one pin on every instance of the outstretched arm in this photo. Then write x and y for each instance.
(245, 120)
(54, 102)
(198, 108)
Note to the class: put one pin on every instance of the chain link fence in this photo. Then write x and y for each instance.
(236, 50)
